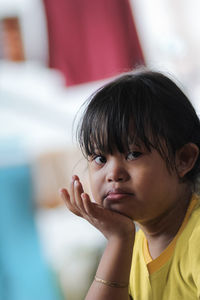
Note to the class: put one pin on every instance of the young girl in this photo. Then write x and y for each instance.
(141, 137)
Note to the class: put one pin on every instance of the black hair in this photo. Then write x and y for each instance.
(140, 107)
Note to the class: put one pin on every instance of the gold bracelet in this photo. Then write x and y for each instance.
(111, 283)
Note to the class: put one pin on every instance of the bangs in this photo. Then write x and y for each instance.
(116, 119)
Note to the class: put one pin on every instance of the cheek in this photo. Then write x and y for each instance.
(148, 180)
(144, 176)
(154, 181)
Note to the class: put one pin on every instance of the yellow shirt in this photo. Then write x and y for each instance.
(175, 274)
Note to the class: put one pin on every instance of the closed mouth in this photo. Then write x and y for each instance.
(117, 194)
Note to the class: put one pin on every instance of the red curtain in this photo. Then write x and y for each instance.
(91, 39)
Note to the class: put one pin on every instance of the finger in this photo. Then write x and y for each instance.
(66, 197)
(78, 190)
(91, 208)
(95, 210)
(72, 198)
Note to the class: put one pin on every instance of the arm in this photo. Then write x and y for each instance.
(119, 230)
(114, 266)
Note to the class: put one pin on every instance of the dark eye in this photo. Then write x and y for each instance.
(99, 159)
(133, 155)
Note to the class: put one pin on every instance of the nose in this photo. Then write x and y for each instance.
(116, 171)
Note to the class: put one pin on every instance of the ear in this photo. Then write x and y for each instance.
(186, 158)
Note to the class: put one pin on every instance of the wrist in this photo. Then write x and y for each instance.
(112, 284)
(124, 237)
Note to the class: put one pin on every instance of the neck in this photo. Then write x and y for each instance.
(161, 231)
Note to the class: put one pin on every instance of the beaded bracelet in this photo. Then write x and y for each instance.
(111, 283)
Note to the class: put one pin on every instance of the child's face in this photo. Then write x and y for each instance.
(137, 184)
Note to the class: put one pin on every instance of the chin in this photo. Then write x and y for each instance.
(119, 211)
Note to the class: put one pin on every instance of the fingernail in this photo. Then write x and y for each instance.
(75, 177)
(76, 182)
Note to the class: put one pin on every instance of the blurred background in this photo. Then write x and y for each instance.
(53, 55)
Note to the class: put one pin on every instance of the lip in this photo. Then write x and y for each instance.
(117, 194)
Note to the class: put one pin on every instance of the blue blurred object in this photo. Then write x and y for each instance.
(24, 274)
